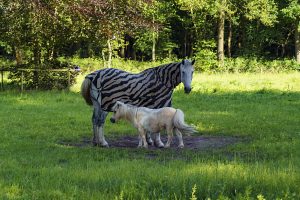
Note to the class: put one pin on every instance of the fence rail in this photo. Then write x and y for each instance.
(2, 70)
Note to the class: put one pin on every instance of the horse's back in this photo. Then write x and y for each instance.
(141, 89)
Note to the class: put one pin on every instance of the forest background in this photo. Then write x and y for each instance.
(222, 35)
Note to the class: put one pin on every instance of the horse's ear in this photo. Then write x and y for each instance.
(193, 61)
(182, 62)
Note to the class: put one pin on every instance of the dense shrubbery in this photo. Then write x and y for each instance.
(205, 62)
(44, 79)
(59, 80)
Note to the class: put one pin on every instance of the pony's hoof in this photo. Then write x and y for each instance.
(180, 146)
(167, 146)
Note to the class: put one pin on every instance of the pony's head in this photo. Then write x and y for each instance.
(186, 71)
(118, 111)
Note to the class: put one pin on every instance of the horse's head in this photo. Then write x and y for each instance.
(186, 71)
(118, 111)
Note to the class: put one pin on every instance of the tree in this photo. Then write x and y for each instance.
(292, 12)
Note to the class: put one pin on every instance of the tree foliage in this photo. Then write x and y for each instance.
(37, 31)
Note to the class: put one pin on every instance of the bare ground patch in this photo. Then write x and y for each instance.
(190, 142)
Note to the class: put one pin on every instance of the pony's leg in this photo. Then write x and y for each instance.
(179, 136)
(170, 137)
(143, 137)
(140, 141)
(149, 139)
(157, 141)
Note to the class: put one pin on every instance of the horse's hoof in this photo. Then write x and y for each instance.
(167, 146)
(105, 145)
(180, 146)
(159, 144)
(95, 144)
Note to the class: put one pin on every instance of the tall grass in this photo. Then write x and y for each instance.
(262, 109)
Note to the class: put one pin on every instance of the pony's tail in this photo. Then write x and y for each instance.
(179, 123)
(85, 91)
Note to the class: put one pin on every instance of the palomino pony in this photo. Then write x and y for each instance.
(153, 121)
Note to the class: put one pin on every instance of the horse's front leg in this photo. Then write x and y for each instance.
(149, 139)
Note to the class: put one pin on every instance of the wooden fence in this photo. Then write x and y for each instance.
(2, 70)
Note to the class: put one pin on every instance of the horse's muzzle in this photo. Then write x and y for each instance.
(187, 90)
(112, 120)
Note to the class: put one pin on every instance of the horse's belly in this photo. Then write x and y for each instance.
(152, 125)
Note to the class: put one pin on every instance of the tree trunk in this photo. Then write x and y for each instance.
(229, 39)
(185, 45)
(122, 48)
(282, 50)
(109, 53)
(153, 46)
(122, 52)
(297, 41)
(19, 55)
(37, 56)
(221, 37)
(134, 54)
(104, 59)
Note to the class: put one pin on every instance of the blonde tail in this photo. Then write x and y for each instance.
(179, 123)
(85, 91)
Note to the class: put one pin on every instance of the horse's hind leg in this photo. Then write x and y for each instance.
(170, 137)
(98, 119)
(98, 123)
(179, 136)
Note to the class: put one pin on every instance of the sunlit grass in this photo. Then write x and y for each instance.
(261, 109)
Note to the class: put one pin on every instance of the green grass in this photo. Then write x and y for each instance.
(263, 109)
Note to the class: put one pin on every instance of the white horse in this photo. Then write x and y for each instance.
(153, 120)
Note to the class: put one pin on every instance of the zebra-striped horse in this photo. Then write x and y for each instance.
(150, 88)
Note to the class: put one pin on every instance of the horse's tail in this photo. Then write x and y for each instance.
(85, 91)
(178, 121)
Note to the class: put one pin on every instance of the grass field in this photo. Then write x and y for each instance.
(262, 109)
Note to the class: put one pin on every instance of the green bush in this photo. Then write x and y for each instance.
(254, 64)
(206, 61)
(92, 64)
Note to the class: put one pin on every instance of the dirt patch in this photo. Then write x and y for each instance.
(190, 142)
